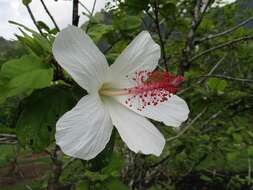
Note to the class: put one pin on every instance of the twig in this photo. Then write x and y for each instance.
(220, 46)
(184, 90)
(8, 139)
(85, 7)
(111, 46)
(28, 187)
(249, 171)
(204, 9)
(214, 173)
(8, 135)
(203, 79)
(34, 20)
(53, 182)
(197, 17)
(213, 69)
(217, 64)
(215, 115)
(93, 7)
(50, 15)
(157, 23)
(228, 78)
(189, 45)
(187, 126)
(68, 163)
(160, 162)
(150, 15)
(92, 12)
(212, 36)
(75, 16)
(178, 135)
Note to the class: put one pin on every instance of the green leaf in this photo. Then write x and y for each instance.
(37, 79)
(24, 75)
(217, 85)
(27, 63)
(21, 25)
(36, 43)
(237, 137)
(168, 9)
(250, 151)
(95, 176)
(36, 124)
(250, 134)
(26, 2)
(82, 186)
(115, 184)
(42, 42)
(128, 23)
(134, 6)
(206, 178)
(43, 25)
(30, 45)
(232, 156)
(156, 188)
(114, 166)
(97, 31)
(7, 130)
(7, 153)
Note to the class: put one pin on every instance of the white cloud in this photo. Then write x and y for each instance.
(221, 3)
(61, 10)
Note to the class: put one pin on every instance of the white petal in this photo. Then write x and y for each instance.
(137, 132)
(141, 54)
(84, 131)
(79, 56)
(172, 112)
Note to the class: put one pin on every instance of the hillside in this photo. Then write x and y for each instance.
(9, 49)
(247, 7)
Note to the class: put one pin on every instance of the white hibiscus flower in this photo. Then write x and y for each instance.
(121, 95)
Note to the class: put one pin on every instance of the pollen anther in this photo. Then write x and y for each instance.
(151, 88)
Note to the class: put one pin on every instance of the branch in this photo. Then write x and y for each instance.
(157, 23)
(187, 126)
(212, 36)
(228, 78)
(50, 15)
(197, 17)
(213, 69)
(33, 19)
(8, 139)
(220, 46)
(249, 171)
(215, 115)
(85, 7)
(204, 9)
(178, 135)
(92, 12)
(203, 79)
(75, 16)
(93, 7)
(53, 182)
(68, 163)
(111, 46)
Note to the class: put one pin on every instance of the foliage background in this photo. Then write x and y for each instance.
(208, 44)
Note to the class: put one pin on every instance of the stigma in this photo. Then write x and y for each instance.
(149, 89)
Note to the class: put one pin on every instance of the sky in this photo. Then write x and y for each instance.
(61, 10)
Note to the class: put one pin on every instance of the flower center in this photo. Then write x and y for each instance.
(150, 88)
(113, 92)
